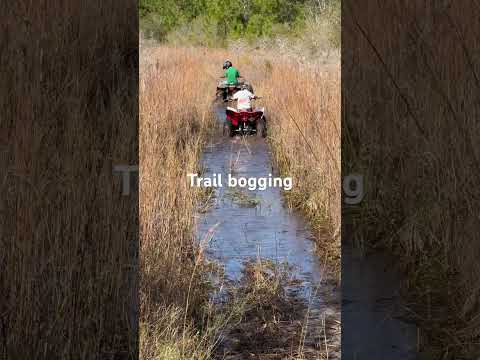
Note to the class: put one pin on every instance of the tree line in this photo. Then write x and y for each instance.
(231, 19)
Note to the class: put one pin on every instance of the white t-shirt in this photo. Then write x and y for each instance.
(243, 98)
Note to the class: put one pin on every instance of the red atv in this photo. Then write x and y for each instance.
(245, 122)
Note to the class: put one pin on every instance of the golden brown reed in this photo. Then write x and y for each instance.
(411, 126)
(303, 109)
(174, 117)
(67, 74)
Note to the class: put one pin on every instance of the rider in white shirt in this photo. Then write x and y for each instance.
(244, 98)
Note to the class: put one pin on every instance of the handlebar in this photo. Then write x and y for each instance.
(232, 100)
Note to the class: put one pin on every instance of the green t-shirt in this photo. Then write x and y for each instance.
(232, 74)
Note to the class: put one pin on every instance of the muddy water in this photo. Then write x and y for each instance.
(266, 229)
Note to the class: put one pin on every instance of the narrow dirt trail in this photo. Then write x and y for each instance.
(266, 229)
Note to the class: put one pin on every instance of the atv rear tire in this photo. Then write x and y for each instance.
(231, 130)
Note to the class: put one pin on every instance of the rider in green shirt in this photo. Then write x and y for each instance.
(231, 73)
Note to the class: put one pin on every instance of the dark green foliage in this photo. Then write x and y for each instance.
(215, 21)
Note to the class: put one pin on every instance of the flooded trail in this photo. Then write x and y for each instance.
(266, 228)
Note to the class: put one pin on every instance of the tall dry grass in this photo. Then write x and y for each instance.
(67, 235)
(175, 115)
(303, 105)
(411, 126)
